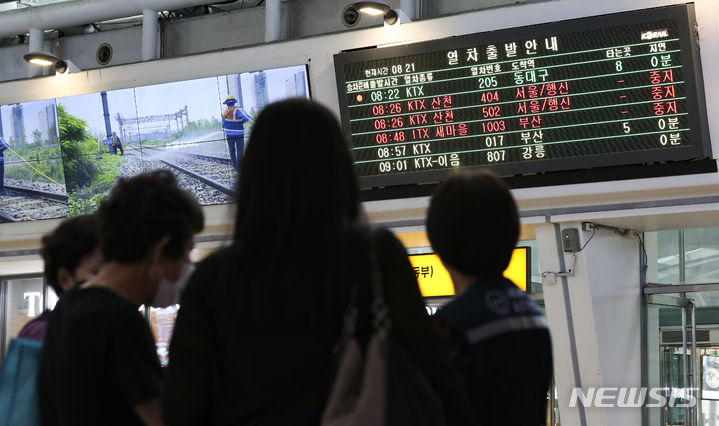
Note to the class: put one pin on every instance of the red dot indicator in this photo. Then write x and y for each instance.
(360, 98)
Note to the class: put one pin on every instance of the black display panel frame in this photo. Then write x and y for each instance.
(652, 162)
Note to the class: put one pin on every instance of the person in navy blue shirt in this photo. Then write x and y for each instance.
(3, 147)
(498, 336)
(233, 123)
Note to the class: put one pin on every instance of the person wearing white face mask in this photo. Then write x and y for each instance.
(98, 363)
(168, 292)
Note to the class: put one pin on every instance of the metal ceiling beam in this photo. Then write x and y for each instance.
(81, 12)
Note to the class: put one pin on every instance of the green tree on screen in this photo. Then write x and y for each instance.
(78, 150)
(37, 137)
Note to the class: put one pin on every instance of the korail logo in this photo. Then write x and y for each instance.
(633, 397)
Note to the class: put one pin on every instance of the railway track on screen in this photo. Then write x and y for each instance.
(209, 177)
(21, 203)
(211, 170)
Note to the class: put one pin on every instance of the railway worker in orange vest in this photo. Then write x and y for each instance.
(116, 144)
(233, 123)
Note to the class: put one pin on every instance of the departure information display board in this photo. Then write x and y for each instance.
(621, 89)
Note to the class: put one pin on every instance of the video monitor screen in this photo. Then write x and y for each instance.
(607, 91)
(184, 135)
(32, 176)
(62, 156)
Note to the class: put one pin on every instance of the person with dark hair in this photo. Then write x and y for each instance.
(258, 321)
(72, 255)
(494, 326)
(98, 363)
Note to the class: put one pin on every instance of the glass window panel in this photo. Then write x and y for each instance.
(701, 255)
(667, 258)
(707, 303)
(668, 243)
(24, 302)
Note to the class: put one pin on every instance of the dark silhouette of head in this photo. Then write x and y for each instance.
(74, 240)
(142, 210)
(296, 177)
(473, 223)
(296, 193)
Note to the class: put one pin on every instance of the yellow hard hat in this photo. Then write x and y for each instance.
(230, 100)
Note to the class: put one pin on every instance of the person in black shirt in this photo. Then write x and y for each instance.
(498, 334)
(98, 362)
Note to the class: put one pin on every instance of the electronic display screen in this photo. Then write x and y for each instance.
(611, 90)
(434, 279)
(63, 156)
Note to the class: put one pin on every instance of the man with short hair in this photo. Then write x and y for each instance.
(493, 326)
(99, 363)
(71, 254)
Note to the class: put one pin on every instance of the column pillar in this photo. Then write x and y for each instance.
(595, 319)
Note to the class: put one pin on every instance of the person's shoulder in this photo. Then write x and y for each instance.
(521, 301)
(451, 309)
(91, 301)
(467, 309)
(84, 311)
(36, 328)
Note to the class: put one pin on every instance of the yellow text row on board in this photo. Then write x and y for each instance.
(434, 280)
